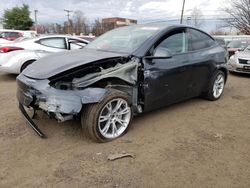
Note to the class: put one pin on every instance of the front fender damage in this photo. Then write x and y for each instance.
(65, 104)
(71, 102)
(39, 94)
(84, 90)
(126, 72)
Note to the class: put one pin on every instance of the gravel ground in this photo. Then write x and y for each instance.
(196, 143)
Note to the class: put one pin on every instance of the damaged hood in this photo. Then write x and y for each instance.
(57, 63)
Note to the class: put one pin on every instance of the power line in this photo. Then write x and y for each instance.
(175, 19)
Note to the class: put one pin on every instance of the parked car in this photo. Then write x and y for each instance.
(10, 35)
(4, 42)
(237, 45)
(108, 82)
(15, 57)
(240, 62)
(230, 38)
(20, 33)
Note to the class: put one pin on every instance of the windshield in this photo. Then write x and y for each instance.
(247, 49)
(124, 39)
(238, 44)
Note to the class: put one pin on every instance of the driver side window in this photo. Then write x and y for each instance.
(175, 43)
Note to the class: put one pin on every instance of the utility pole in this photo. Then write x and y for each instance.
(182, 11)
(35, 11)
(68, 12)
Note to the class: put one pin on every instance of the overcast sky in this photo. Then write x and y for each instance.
(51, 11)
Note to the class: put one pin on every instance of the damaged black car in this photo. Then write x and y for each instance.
(124, 72)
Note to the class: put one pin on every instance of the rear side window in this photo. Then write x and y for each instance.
(54, 42)
(198, 40)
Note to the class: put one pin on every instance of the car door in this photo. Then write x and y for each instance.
(203, 52)
(166, 80)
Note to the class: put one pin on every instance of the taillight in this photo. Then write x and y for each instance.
(9, 49)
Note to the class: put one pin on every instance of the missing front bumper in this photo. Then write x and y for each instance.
(30, 121)
(62, 105)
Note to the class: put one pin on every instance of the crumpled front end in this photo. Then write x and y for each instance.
(38, 94)
(63, 95)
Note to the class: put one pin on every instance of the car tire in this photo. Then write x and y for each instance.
(108, 119)
(216, 86)
(26, 64)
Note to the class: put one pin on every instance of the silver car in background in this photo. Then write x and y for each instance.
(15, 57)
(240, 61)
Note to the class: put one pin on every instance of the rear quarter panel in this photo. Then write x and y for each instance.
(13, 61)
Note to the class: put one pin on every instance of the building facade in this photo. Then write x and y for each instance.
(111, 23)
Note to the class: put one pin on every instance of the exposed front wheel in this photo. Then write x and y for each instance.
(216, 87)
(109, 119)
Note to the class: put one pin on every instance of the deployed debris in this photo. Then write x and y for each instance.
(113, 157)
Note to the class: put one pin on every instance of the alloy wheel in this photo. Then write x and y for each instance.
(218, 85)
(114, 118)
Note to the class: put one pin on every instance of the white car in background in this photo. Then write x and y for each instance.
(240, 61)
(15, 57)
(4, 42)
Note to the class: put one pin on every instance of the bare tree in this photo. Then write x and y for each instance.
(97, 28)
(49, 28)
(239, 15)
(80, 23)
(218, 32)
(68, 27)
(196, 16)
(59, 29)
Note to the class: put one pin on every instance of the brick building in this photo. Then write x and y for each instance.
(111, 23)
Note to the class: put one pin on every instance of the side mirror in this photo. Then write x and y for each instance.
(160, 53)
